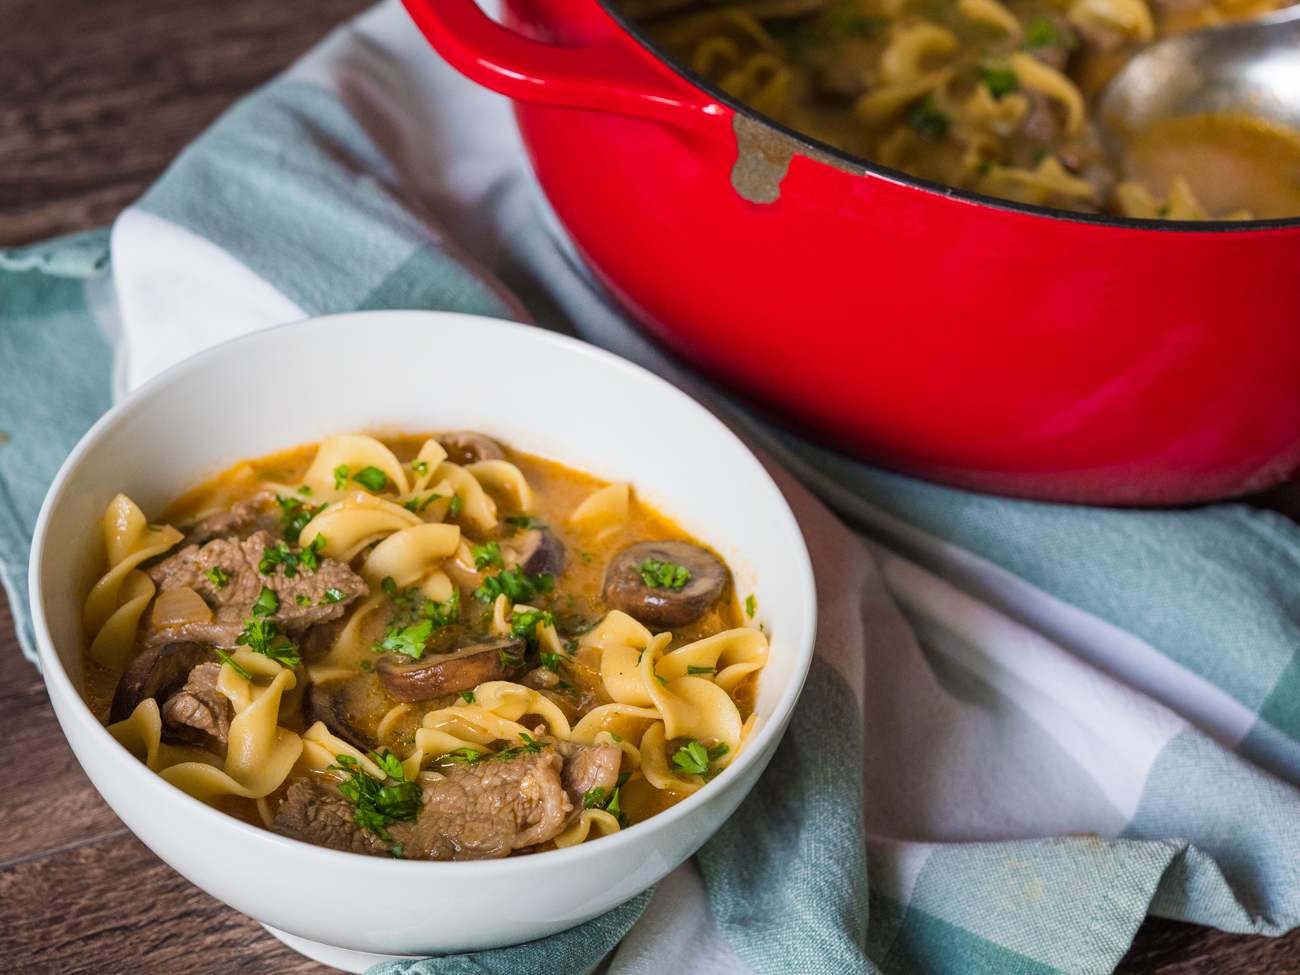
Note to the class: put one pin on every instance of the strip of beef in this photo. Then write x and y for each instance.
(243, 518)
(197, 712)
(485, 810)
(240, 585)
(321, 815)
(586, 769)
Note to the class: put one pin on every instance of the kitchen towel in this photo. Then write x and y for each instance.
(1028, 725)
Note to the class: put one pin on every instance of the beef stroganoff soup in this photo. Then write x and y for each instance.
(427, 647)
(993, 96)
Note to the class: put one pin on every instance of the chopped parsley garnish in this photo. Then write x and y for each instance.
(416, 506)
(307, 557)
(524, 625)
(485, 555)
(340, 477)
(264, 636)
(366, 665)
(217, 576)
(694, 759)
(522, 523)
(518, 588)
(551, 661)
(751, 604)
(409, 640)
(371, 478)
(692, 669)
(294, 515)
(332, 595)
(228, 659)
(665, 575)
(468, 696)
(466, 756)
(662, 681)
(377, 804)
(456, 503)
(305, 490)
(927, 119)
(586, 558)
(268, 603)
(302, 600)
(597, 798)
(999, 82)
(420, 467)
(398, 851)
(388, 586)
(615, 736)
(529, 747)
(443, 614)
(1041, 32)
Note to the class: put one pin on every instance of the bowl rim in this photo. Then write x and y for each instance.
(859, 165)
(53, 672)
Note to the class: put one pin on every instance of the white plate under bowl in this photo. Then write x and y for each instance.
(416, 371)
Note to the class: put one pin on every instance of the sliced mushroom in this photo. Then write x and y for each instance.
(539, 552)
(468, 447)
(320, 705)
(451, 673)
(663, 606)
(158, 673)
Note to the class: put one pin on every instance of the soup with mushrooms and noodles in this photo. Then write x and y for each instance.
(993, 96)
(426, 647)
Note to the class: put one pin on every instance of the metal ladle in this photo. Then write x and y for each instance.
(1250, 68)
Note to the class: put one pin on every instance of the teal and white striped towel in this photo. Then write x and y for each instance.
(1028, 725)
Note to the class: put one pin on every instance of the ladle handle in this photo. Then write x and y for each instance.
(612, 74)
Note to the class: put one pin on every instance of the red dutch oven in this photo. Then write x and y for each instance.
(985, 344)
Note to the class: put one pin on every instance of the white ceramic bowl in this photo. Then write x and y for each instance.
(416, 371)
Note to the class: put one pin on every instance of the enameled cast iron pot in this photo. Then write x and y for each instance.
(991, 345)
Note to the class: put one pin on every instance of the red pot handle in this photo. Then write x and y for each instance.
(614, 74)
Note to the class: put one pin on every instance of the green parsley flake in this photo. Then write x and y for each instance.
(665, 575)
(692, 669)
(268, 603)
(551, 661)
(217, 576)
(340, 477)
(409, 640)
(468, 696)
(618, 738)
(388, 586)
(302, 600)
(485, 555)
(524, 625)
(927, 119)
(522, 523)
(694, 759)
(228, 659)
(586, 558)
(417, 505)
(332, 595)
(751, 605)
(420, 467)
(377, 804)
(1041, 32)
(305, 490)
(366, 665)
(999, 81)
(518, 588)
(294, 515)
(456, 503)
(372, 479)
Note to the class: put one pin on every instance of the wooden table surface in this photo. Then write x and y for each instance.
(96, 96)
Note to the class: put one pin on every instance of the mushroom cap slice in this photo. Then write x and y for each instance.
(319, 704)
(450, 673)
(469, 447)
(539, 552)
(663, 606)
(158, 673)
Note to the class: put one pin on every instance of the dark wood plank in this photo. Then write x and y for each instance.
(113, 906)
(47, 802)
(96, 98)
(1173, 948)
